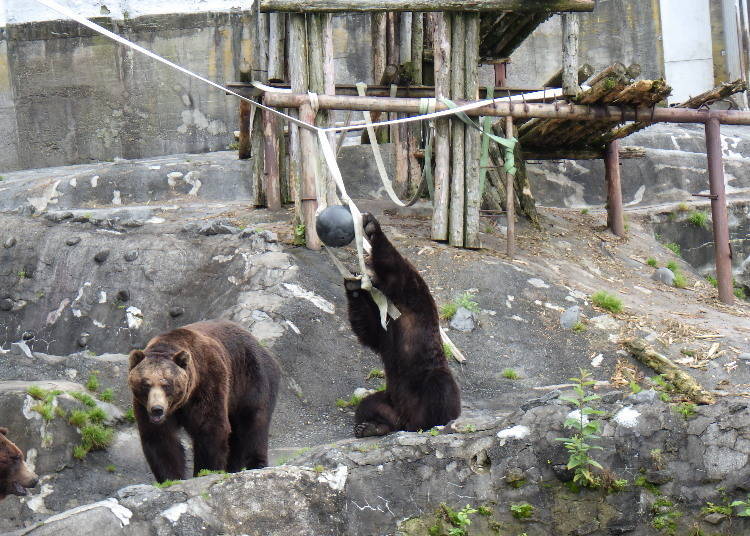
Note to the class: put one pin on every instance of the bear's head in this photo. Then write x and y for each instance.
(160, 381)
(15, 475)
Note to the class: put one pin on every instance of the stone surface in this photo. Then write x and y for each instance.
(464, 320)
(665, 275)
(570, 317)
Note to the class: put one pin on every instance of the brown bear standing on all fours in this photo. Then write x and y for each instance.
(214, 380)
(15, 475)
(420, 390)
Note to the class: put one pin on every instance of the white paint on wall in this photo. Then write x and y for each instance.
(14, 12)
(688, 53)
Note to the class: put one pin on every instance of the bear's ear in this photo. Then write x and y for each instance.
(136, 356)
(181, 358)
(3, 431)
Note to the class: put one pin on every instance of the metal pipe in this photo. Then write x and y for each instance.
(722, 249)
(615, 218)
(305, 6)
(529, 110)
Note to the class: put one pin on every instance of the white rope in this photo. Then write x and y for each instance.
(82, 20)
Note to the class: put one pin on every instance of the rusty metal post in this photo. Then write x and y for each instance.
(501, 73)
(722, 250)
(615, 219)
(510, 199)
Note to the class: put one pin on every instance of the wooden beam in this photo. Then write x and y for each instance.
(318, 6)
(570, 54)
(472, 137)
(615, 217)
(309, 152)
(442, 62)
(561, 153)
(614, 114)
(382, 90)
(458, 173)
(585, 72)
(271, 158)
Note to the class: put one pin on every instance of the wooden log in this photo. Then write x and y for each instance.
(382, 134)
(458, 130)
(510, 201)
(404, 37)
(299, 81)
(570, 54)
(245, 112)
(584, 73)
(316, 64)
(392, 27)
(442, 70)
(580, 154)
(716, 94)
(329, 85)
(417, 47)
(617, 69)
(309, 164)
(378, 32)
(615, 214)
(305, 6)
(472, 137)
(522, 186)
(572, 112)
(277, 37)
(271, 158)
(682, 381)
(257, 139)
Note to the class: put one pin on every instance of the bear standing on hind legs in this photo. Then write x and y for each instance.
(420, 390)
(214, 380)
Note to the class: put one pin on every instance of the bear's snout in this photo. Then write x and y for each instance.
(26, 479)
(156, 413)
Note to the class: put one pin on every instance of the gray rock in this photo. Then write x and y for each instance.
(83, 340)
(57, 217)
(269, 236)
(72, 241)
(744, 356)
(715, 518)
(463, 320)
(101, 256)
(6, 304)
(570, 317)
(645, 396)
(130, 256)
(174, 312)
(658, 477)
(21, 348)
(9, 243)
(218, 228)
(665, 275)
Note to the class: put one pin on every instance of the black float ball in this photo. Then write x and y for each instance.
(335, 226)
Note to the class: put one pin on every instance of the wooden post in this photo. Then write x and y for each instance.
(277, 31)
(392, 55)
(570, 54)
(271, 157)
(510, 204)
(615, 219)
(472, 137)
(299, 81)
(318, 6)
(259, 72)
(458, 132)
(245, 112)
(404, 36)
(417, 46)
(442, 69)
(722, 250)
(309, 153)
(379, 49)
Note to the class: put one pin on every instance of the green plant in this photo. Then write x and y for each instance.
(37, 393)
(465, 300)
(510, 374)
(680, 281)
(674, 248)
(579, 444)
(665, 519)
(619, 484)
(433, 431)
(484, 510)
(111, 468)
(641, 482)
(46, 410)
(607, 301)
(672, 265)
(83, 398)
(579, 327)
(712, 508)
(96, 436)
(299, 238)
(375, 373)
(130, 415)
(744, 507)
(522, 510)
(459, 520)
(447, 351)
(353, 401)
(206, 472)
(235, 145)
(698, 218)
(318, 469)
(78, 418)
(285, 459)
(584, 211)
(97, 415)
(712, 281)
(686, 409)
(106, 396)
(23, 274)
(652, 262)
(683, 207)
(79, 452)
(166, 484)
(739, 292)
(635, 388)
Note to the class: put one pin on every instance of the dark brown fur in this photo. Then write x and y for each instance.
(218, 384)
(15, 476)
(421, 392)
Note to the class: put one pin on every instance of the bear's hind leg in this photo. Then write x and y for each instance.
(375, 416)
(248, 444)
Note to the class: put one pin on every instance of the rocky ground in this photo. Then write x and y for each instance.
(91, 268)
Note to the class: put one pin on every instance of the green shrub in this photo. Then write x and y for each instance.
(166, 483)
(579, 327)
(672, 265)
(712, 281)
(92, 384)
(522, 510)
(465, 300)
(79, 452)
(36, 392)
(206, 472)
(607, 301)
(510, 374)
(447, 351)
(652, 262)
(674, 248)
(686, 409)
(111, 468)
(83, 398)
(740, 293)
(96, 436)
(353, 402)
(97, 415)
(683, 207)
(299, 238)
(698, 218)
(375, 373)
(106, 396)
(680, 281)
(78, 418)
(130, 415)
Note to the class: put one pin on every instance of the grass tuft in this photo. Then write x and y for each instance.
(510, 374)
(96, 436)
(465, 300)
(607, 301)
(674, 248)
(698, 218)
(652, 262)
(106, 396)
(92, 384)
